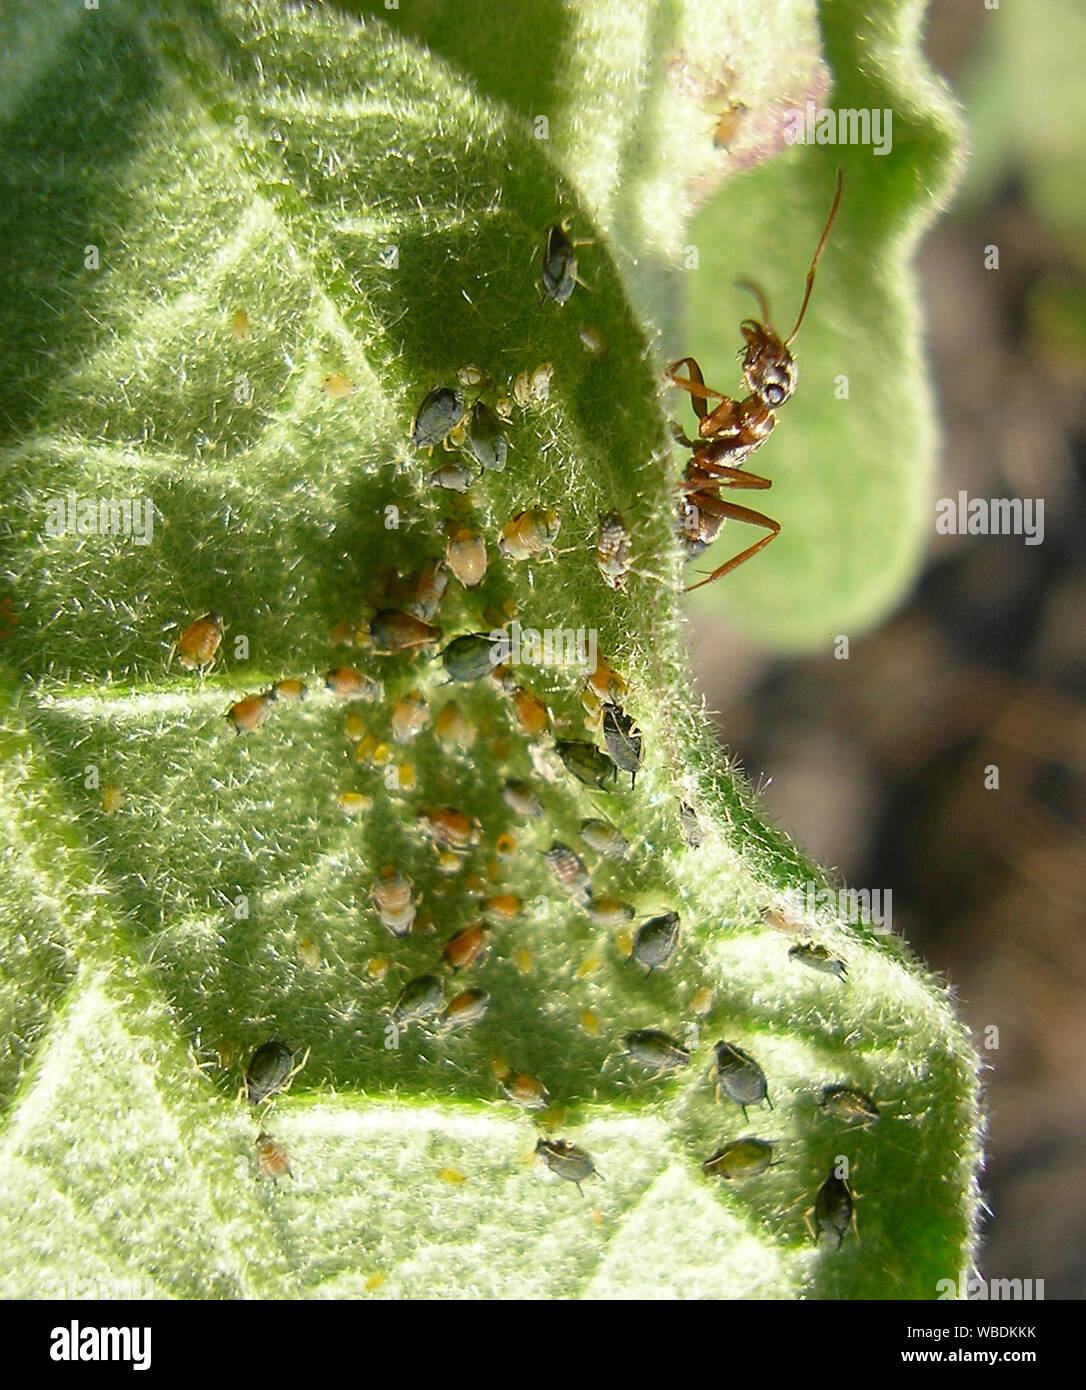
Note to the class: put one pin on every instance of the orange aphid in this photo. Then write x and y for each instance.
(350, 684)
(273, 1161)
(248, 714)
(532, 713)
(467, 946)
(198, 644)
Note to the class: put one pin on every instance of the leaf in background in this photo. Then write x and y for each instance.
(301, 228)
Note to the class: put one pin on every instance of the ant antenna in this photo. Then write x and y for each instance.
(749, 285)
(818, 252)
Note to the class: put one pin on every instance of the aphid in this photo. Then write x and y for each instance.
(730, 432)
(409, 717)
(452, 476)
(270, 1068)
(451, 1175)
(337, 386)
(467, 946)
(559, 264)
(343, 633)
(504, 846)
(198, 644)
(352, 684)
(740, 1077)
(602, 836)
(566, 1161)
(606, 685)
(532, 714)
(702, 1001)
(466, 1008)
(239, 325)
(273, 1161)
(111, 799)
(451, 829)
(470, 376)
(419, 1000)
(848, 1104)
(391, 894)
(614, 550)
(429, 590)
(469, 658)
(586, 762)
(522, 801)
(591, 341)
(818, 958)
(569, 873)
(248, 714)
(439, 414)
(690, 825)
(656, 941)
(505, 906)
(727, 125)
(524, 1091)
(623, 740)
(742, 1158)
(451, 728)
(656, 1050)
(530, 534)
(834, 1209)
(465, 555)
(354, 803)
(609, 912)
(290, 690)
(309, 953)
(392, 630)
(486, 442)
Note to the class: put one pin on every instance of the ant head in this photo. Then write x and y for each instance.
(768, 366)
(769, 369)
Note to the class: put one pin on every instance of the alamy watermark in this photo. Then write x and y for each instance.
(819, 125)
(869, 907)
(976, 1289)
(72, 515)
(567, 647)
(996, 516)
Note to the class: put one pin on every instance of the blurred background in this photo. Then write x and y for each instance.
(877, 764)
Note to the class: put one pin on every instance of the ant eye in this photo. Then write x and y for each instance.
(774, 395)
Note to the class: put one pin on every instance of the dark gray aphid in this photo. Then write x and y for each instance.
(269, 1067)
(656, 941)
(439, 414)
(740, 1077)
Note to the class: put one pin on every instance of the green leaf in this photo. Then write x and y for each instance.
(302, 227)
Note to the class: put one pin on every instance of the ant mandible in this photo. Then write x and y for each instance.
(732, 430)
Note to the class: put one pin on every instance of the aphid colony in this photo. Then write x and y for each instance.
(471, 431)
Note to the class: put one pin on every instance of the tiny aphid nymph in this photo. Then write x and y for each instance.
(625, 746)
(566, 1161)
(849, 1104)
(742, 1158)
(739, 1077)
(269, 1069)
(656, 941)
(818, 958)
(586, 762)
(438, 415)
(569, 873)
(273, 1161)
(420, 999)
(614, 550)
(199, 643)
(834, 1210)
(469, 658)
(656, 1050)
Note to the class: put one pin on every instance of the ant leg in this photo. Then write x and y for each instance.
(724, 476)
(695, 385)
(731, 511)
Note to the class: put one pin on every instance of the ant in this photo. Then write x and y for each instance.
(732, 430)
